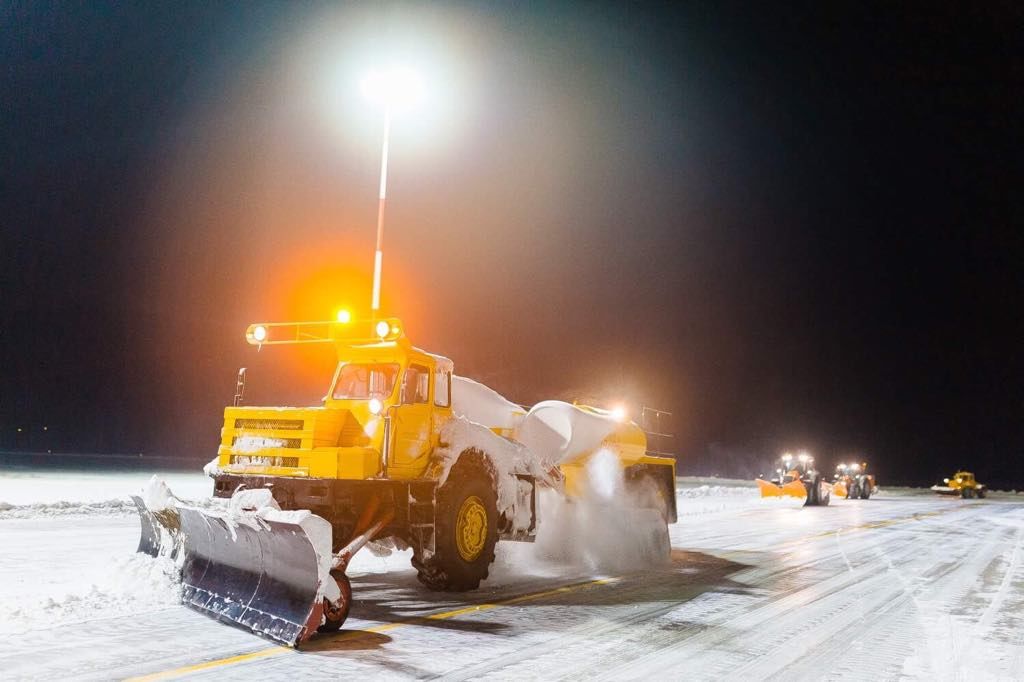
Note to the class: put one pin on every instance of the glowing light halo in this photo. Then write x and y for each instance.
(396, 88)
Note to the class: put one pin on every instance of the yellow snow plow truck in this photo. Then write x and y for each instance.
(963, 484)
(853, 481)
(797, 477)
(401, 453)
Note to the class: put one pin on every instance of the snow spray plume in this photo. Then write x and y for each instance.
(610, 527)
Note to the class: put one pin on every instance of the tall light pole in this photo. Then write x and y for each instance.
(392, 90)
(378, 256)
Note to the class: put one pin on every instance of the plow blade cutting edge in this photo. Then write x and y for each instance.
(791, 489)
(258, 573)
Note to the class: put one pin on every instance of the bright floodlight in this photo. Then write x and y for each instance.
(804, 457)
(344, 316)
(619, 413)
(786, 456)
(260, 333)
(395, 88)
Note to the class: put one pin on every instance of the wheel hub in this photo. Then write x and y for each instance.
(471, 528)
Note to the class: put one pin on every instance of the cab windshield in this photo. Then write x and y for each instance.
(359, 382)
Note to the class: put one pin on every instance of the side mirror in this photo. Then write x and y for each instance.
(239, 387)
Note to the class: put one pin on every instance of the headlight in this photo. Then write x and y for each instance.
(259, 333)
(382, 328)
(376, 406)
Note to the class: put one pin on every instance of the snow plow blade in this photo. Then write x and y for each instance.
(263, 578)
(791, 489)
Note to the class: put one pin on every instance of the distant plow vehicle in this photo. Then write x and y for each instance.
(853, 481)
(797, 477)
(963, 484)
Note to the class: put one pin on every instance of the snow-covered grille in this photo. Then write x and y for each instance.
(255, 442)
(258, 460)
(269, 424)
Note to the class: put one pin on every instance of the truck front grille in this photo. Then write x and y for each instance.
(251, 443)
(269, 424)
(257, 460)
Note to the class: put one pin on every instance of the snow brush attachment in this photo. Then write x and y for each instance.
(262, 574)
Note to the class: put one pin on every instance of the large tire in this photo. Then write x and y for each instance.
(866, 490)
(813, 490)
(966, 493)
(465, 530)
(981, 493)
(823, 499)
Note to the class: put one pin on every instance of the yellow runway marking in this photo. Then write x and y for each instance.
(444, 615)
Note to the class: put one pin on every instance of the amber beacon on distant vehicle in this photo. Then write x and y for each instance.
(401, 453)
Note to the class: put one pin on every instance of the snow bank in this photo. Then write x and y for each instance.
(128, 585)
(30, 493)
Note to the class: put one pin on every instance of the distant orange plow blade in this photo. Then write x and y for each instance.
(839, 489)
(791, 489)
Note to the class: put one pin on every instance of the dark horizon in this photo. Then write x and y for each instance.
(792, 227)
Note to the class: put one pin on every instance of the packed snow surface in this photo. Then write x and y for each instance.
(905, 586)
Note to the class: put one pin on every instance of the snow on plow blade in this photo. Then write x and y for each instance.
(160, 529)
(791, 489)
(262, 577)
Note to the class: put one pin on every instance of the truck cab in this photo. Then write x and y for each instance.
(380, 417)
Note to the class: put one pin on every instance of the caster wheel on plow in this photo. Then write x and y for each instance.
(335, 614)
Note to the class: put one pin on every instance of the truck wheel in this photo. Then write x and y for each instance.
(823, 497)
(982, 492)
(866, 491)
(965, 493)
(465, 528)
(813, 490)
(336, 614)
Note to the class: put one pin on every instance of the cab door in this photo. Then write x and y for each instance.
(412, 424)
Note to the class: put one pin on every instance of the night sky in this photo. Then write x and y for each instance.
(792, 227)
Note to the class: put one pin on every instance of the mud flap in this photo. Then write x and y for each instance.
(262, 578)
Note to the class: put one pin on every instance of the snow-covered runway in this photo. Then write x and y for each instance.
(900, 586)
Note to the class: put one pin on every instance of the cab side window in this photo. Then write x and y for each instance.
(417, 384)
(442, 388)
